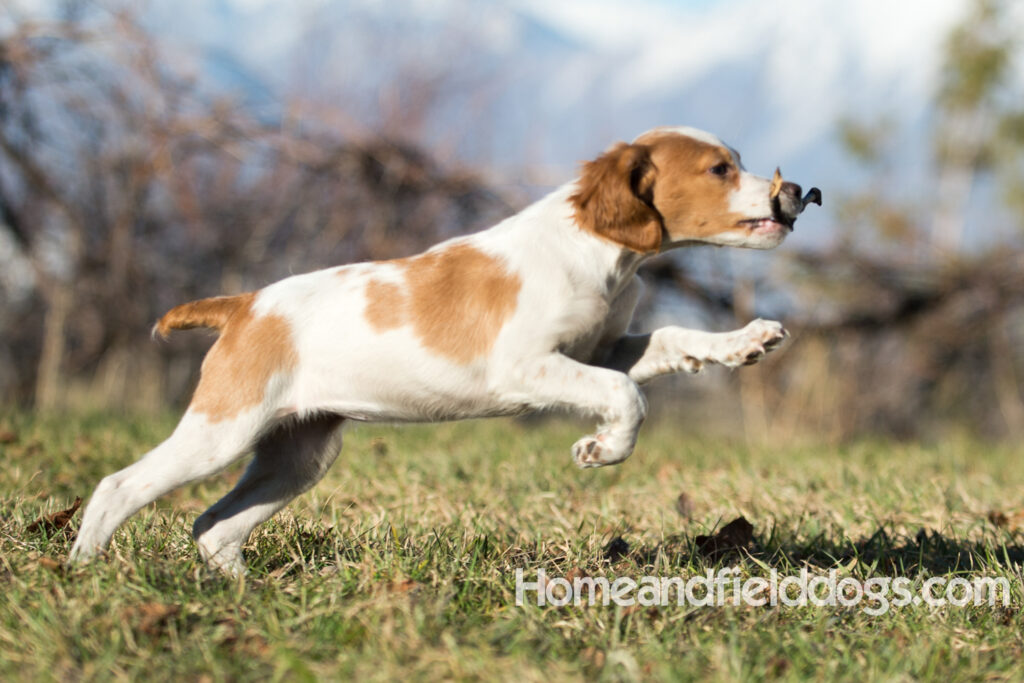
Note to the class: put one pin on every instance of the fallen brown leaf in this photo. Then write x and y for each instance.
(573, 574)
(593, 657)
(51, 564)
(684, 505)
(998, 518)
(7, 436)
(249, 642)
(1013, 520)
(736, 535)
(151, 617)
(403, 586)
(58, 521)
(778, 665)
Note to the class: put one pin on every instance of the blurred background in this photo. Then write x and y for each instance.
(157, 152)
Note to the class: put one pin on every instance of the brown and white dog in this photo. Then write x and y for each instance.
(529, 314)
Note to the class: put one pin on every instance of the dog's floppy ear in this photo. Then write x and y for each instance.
(614, 198)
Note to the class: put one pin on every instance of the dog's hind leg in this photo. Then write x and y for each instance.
(197, 449)
(289, 460)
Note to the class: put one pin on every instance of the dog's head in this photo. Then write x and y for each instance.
(674, 186)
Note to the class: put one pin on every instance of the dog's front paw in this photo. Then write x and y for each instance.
(599, 450)
(587, 452)
(750, 344)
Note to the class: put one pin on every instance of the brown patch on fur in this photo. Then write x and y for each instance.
(692, 201)
(385, 305)
(250, 351)
(459, 300)
(614, 195)
(456, 300)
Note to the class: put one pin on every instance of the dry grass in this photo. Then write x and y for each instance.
(401, 562)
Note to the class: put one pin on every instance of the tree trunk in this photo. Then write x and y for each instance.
(48, 374)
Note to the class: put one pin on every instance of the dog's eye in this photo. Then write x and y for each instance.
(719, 169)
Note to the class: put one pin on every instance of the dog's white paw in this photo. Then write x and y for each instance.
(750, 344)
(599, 450)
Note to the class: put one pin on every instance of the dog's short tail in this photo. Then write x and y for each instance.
(213, 313)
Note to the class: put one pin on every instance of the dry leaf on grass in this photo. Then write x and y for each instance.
(1003, 520)
(684, 506)
(402, 586)
(51, 564)
(7, 436)
(593, 656)
(736, 535)
(151, 617)
(778, 665)
(248, 642)
(58, 521)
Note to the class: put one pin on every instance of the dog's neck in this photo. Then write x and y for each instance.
(592, 260)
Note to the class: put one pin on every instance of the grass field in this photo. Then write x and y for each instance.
(400, 564)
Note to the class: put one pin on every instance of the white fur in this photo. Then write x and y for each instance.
(565, 345)
(687, 131)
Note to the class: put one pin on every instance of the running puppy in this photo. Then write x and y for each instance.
(529, 314)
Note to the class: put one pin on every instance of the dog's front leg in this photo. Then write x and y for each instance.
(676, 349)
(555, 380)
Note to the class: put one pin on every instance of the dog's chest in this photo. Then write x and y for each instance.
(581, 325)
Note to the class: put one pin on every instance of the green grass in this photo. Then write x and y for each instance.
(400, 564)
